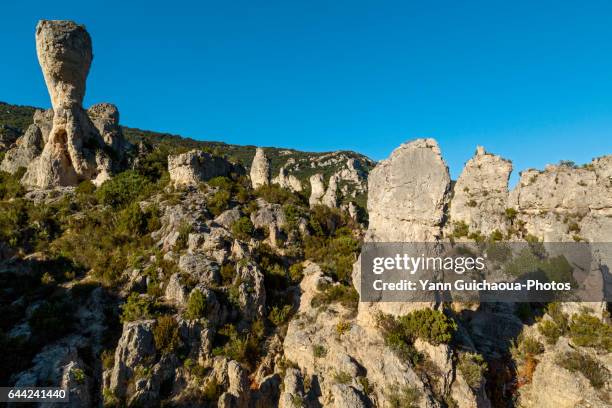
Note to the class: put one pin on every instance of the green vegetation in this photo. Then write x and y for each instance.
(166, 335)
(401, 332)
(243, 228)
(280, 315)
(460, 229)
(407, 396)
(137, 307)
(123, 189)
(196, 306)
(586, 365)
(588, 331)
(473, 367)
(319, 351)
(347, 296)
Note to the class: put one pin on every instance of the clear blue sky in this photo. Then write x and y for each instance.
(530, 80)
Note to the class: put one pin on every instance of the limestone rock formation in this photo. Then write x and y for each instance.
(260, 169)
(30, 144)
(317, 189)
(330, 198)
(78, 144)
(481, 193)
(288, 181)
(196, 166)
(408, 193)
(565, 202)
(319, 195)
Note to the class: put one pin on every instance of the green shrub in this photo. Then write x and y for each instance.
(473, 367)
(525, 346)
(166, 334)
(108, 359)
(550, 330)
(10, 185)
(342, 377)
(184, 230)
(427, 324)
(347, 296)
(85, 188)
(280, 315)
(275, 194)
(123, 189)
(219, 202)
(497, 236)
(460, 229)
(592, 370)
(407, 396)
(78, 374)
(242, 347)
(511, 214)
(243, 228)
(212, 390)
(196, 305)
(472, 203)
(228, 272)
(318, 351)
(137, 307)
(588, 331)
(296, 273)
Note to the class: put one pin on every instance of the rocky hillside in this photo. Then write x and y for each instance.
(171, 272)
(15, 120)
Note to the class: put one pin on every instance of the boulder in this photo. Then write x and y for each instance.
(288, 181)
(196, 166)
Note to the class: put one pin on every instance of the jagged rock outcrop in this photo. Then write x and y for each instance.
(135, 346)
(481, 193)
(317, 189)
(330, 198)
(271, 217)
(30, 144)
(407, 194)
(319, 195)
(78, 143)
(288, 181)
(260, 169)
(196, 166)
(564, 202)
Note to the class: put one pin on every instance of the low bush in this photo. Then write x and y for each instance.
(319, 351)
(473, 367)
(592, 370)
(137, 307)
(123, 189)
(280, 315)
(460, 229)
(196, 305)
(589, 331)
(407, 396)
(166, 334)
(243, 228)
(347, 296)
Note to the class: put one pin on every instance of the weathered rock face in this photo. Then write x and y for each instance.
(135, 346)
(260, 169)
(481, 193)
(317, 189)
(319, 195)
(289, 182)
(562, 202)
(408, 193)
(196, 166)
(330, 198)
(75, 148)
